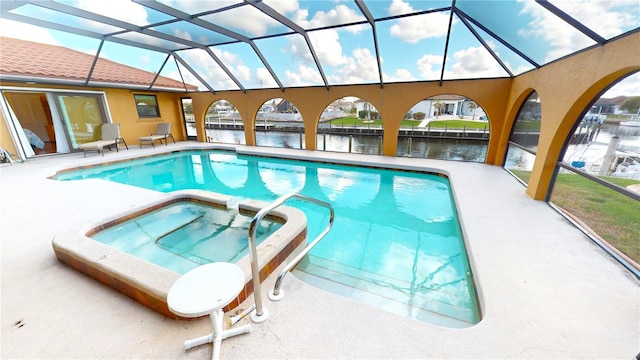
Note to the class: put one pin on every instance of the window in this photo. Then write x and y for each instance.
(147, 105)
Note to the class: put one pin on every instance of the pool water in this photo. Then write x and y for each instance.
(183, 235)
(396, 242)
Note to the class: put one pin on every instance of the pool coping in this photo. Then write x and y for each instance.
(148, 283)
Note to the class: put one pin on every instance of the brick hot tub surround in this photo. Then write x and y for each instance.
(148, 283)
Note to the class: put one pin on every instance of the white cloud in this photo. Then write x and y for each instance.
(398, 76)
(209, 70)
(518, 70)
(475, 62)
(145, 59)
(126, 11)
(629, 86)
(228, 58)
(282, 6)
(300, 16)
(404, 75)
(182, 34)
(188, 78)
(303, 76)
(560, 36)
(361, 67)
(415, 28)
(234, 63)
(327, 45)
(399, 7)
(515, 70)
(245, 18)
(429, 66)
(340, 14)
(264, 78)
(242, 73)
(606, 18)
(22, 31)
(194, 6)
(297, 47)
(123, 10)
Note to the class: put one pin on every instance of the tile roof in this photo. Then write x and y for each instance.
(28, 59)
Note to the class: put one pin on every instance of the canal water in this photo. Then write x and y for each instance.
(471, 150)
(432, 148)
(591, 153)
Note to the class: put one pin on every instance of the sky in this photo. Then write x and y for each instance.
(411, 47)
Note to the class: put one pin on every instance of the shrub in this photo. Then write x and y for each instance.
(419, 115)
(362, 114)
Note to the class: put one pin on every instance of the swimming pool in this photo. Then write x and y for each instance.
(396, 241)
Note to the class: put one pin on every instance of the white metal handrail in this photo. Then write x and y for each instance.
(260, 314)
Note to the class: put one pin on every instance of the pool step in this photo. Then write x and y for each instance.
(384, 292)
(393, 282)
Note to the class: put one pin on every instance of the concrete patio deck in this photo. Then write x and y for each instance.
(546, 290)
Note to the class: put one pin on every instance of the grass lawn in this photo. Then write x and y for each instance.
(351, 121)
(613, 216)
(528, 125)
(459, 124)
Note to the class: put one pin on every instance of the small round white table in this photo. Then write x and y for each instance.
(205, 290)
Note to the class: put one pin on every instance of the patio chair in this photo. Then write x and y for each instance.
(110, 136)
(163, 133)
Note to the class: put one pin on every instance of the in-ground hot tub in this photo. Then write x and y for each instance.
(148, 282)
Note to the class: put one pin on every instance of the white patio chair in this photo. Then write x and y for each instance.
(163, 133)
(110, 136)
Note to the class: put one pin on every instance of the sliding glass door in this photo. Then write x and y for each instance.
(47, 121)
(82, 116)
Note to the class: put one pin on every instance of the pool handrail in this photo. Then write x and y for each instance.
(260, 314)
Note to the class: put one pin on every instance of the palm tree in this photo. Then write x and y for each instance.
(472, 106)
(439, 105)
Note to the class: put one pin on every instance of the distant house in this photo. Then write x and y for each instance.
(609, 106)
(286, 107)
(278, 110)
(370, 111)
(360, 105)
(452, 105)
(344, 104)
